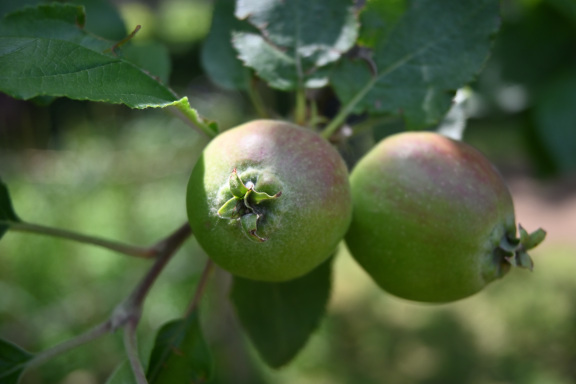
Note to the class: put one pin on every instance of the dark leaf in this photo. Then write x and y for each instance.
(555, 120)
(10, 6)
(219, 58)
(7, 213)
(180, 354)
(566, 7)
(542, 37)
(12, 362)
(280, 317)
(103, 18)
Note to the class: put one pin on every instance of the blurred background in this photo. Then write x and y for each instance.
(109, 171)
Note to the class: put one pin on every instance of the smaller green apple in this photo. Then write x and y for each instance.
(433, 220)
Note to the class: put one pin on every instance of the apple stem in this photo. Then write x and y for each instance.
(256, 99)
(340, 118)
(300, 112)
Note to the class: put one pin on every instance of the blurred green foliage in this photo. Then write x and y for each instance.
(522, 93)
(111, 172)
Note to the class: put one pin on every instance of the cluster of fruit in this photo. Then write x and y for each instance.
(428, 218)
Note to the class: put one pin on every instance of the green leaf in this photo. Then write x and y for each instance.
(44, 51)
(296, 38)
(180, 354)
(219, 58)
(377, 20)
(555, 120)
(280, 317)
(12, 362)
(437, 47)
(537, 35)
(7, 213)
(11, 6)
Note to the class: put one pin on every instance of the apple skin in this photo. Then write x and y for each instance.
(429, 216)
(301, 228)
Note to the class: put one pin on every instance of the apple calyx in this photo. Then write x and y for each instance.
(516, 249)
(243, 206)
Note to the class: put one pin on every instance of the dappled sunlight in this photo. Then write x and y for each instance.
(114, 178)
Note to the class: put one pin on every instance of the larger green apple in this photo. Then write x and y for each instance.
(269, 200)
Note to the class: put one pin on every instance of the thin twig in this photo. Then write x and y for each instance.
(200, 287)
(300, 111)
(130, 250)
(166, 249)
(129, 312)
(131, 346)
(125, 40)
(256, 99)
(67, 345)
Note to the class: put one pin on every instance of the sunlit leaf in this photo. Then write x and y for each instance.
(12, 362)
(180, 354)
(297, 37)
(279, 318)
(436, 47)
(45, 51)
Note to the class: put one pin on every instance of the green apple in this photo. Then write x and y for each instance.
(433, 219)
(269, 200)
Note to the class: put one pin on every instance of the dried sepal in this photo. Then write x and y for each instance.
(249, 224)
(242, 205)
